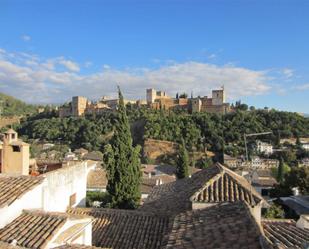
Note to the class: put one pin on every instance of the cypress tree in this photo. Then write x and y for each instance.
(280, 171)
(122, 163)
(182, 169)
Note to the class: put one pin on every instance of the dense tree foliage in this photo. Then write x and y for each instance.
(90, 133)
(212, 131)
(200, 131)
(9, 106)
(182, 169)
(122, 163)
(296, 178)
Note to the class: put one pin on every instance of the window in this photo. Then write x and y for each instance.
(72, 199)
(16, 148)
(264, 192)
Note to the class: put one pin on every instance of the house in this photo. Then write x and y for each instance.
(263, 163)
(157, 170)
(148, 183)
(206, 188)
(265, 148)
(38, 229)
(263, 181)
(232, 162)
(305, 146)
(286, 233)
(201, 228)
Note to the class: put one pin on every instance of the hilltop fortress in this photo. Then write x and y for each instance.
(80, 106)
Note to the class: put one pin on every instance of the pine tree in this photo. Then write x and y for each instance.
(182, 170)
(122, 163)
(280, 171)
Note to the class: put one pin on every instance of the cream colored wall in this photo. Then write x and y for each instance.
(63, 183)
(15, 162)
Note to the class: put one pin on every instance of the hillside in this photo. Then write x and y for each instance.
(10, 106)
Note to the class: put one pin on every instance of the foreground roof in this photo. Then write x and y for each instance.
(212, 185)
(119, 229)
(32, 229)
(284, 233)
(14, 187)
(226, 225)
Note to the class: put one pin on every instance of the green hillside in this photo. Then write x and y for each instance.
(10, 106)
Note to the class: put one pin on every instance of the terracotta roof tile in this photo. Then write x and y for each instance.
(149, 183)
(225, 225)
(14, 187)
(119, 229)
(32, 229)
(284, 233)
(212, 185)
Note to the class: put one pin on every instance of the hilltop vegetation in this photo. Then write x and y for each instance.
(200, 131)
(10, 106)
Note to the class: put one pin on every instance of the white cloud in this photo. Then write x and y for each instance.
(302, 87)
(212, 56)
(26, 38)
(288, 72)
(71, 65)
(38, 80)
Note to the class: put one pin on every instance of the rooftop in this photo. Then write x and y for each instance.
(300, 204)
(226, 225)
(14, 187)
(32, 229)
(284, 233)
(212, 185)
(119, 229)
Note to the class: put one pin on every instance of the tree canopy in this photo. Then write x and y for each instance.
(122, 163)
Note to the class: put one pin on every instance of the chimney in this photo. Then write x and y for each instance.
(157, 182)
(303, 221)
(149, 175)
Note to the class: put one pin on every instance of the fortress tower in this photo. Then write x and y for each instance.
(218, 97)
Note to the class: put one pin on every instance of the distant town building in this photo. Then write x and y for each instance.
(263, 163)
(265, 148)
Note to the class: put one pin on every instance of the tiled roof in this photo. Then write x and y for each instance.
(264, 182)
(4, 245)
(14, 187)
(285, 234)
(164, 169)
(214, 184)
(149, 183)
(96, 178)
(226, 225)
(32, 229)
(76, 246)
(122, 229)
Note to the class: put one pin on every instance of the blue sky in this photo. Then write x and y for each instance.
(259, 50)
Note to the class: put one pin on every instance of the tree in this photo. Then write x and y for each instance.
(274, 212)
(122, 163)
(280, 172)
(182, 170)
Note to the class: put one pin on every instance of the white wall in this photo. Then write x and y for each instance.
(63, 183)
(31, 200)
